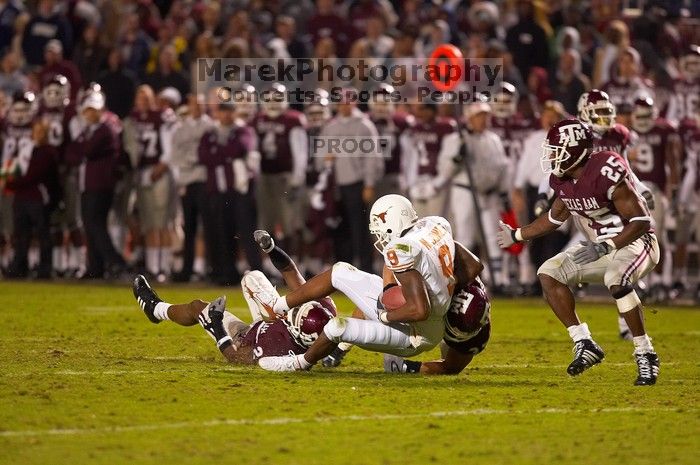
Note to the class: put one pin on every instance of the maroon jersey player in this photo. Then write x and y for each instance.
(655, 162)
(267, 335)
(283, 147)
(425, 146)
(390, 124)
(595, 186)
(511, 126)
(685, 95)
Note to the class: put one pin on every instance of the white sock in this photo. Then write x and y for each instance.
(642, 344)
(303, 363)
(166, 260)
(152, 259)
(281, 305)
(579, 332)
(161, 311)
(199, 265)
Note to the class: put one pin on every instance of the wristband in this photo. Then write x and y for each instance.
(518, 235)
(224, 342)
(384, 317)
(611, 245)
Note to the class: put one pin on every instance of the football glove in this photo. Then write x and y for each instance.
(505, 235)
(264, 240)
(212, 320)
(590, 252)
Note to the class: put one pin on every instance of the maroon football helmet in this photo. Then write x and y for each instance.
(56, 93)
(568, 144)
(318, 111)
(689, 63)
(23, 109)
(274, 100)
(596, 110)
(306, 322)
(643, 114)
(380, 104)
(505, 101)
(470, 310)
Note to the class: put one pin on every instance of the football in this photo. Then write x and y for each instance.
(393, 298)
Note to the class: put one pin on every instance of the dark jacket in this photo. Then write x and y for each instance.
(95, 151)
(39, 180)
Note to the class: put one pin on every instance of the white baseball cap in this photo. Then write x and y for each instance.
(95, 100)
(475, 108)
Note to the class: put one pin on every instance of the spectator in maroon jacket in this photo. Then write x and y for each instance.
(96, 151)
(34, 181)
(326, 23)
(56, 64)
(224, 150)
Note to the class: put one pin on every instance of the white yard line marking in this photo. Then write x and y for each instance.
(336, 419)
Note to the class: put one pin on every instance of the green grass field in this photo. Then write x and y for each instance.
(86, 379)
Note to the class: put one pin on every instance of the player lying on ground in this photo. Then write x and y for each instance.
(595, 186)
(419, 254)
(239, 342)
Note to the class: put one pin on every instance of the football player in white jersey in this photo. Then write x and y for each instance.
(418, 255)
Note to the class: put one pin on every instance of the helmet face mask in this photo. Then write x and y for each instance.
(274, 101)
(505, 102)
(22, 110)
(596, 110)
(306, 322)
(689, 64)
(381, 105)
(643, 115)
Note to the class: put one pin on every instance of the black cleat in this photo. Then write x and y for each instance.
(146, 297)
(586, 354)
(648, 369)
(334, 358)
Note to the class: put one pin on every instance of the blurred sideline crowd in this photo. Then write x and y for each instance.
(112, 163)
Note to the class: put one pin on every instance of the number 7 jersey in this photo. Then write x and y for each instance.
(428, 247)
(590, 196)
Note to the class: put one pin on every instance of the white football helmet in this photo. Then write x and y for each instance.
(390, 216)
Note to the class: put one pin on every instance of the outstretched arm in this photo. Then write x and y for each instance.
(543, 225)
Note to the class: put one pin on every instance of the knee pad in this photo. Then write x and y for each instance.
(335, 328)
(626, 300)
(342, 271)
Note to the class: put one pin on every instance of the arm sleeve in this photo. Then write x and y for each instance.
(299, 146)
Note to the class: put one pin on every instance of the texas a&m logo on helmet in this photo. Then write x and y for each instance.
(568, 143)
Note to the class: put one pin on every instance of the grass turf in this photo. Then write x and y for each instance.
(85, 378)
